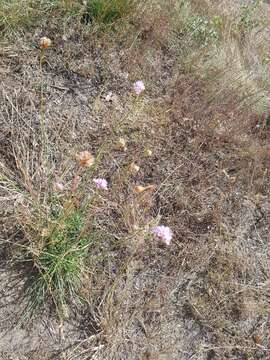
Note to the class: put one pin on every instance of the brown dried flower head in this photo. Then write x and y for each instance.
(85, 159)
(138, 189)
(45, 42)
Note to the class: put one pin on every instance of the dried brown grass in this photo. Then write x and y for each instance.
(205, 297)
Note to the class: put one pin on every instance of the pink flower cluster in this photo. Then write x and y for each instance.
(101, 184)
(138, 87)
(163, 233)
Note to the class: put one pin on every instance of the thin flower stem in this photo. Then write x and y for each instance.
(44, 138)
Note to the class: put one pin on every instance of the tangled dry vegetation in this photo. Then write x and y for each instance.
(90, 164)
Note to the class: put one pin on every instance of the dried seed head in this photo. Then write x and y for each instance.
(44, 232)
(45, 42)
(121, 144)
(133, 168)
(85, 159)
(138, 189)
(148, 152)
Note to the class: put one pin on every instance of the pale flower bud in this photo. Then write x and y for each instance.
(109, 96)
(45, 42)
(139, 189)
(133, 168)
(121, 144)
(148, 152)
(44, 232)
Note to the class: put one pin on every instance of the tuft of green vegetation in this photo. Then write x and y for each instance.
(18, 16)
(60, 262)
(247, 20)
(107, 11)
(203, 30)
(196, 28)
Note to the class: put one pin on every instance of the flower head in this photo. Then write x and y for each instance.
(163, 233)
(121, 144)
(138, 189)
(59, 186)
(101, 184)
(45, 42)
(85, 159)
(139, 87)
(148, 152)
(134, 168)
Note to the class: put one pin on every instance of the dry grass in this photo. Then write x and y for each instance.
(204, 118)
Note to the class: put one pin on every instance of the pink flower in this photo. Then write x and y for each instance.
(163, 233)
(138, 87)
(101, 184)
(59, 186)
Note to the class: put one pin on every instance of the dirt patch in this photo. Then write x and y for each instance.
(40, 338)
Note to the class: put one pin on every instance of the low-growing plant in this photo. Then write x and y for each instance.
(58, 236)
(246, 20)
(203, 30)
(18, 16)
(56, 212)
(107, 11)
(58, 266)
(195, 27)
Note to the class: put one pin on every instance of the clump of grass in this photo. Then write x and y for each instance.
(60, 262)
(247, 20)
(203, 30)
(57, 238)
(107, 11)
(56, 231)
(195, 28)
(18, 16)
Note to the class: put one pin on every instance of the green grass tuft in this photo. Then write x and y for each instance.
(108, 11)
(19, 16)
(59, 265)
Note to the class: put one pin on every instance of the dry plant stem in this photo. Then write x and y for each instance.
(69, 203)
(44, 137)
